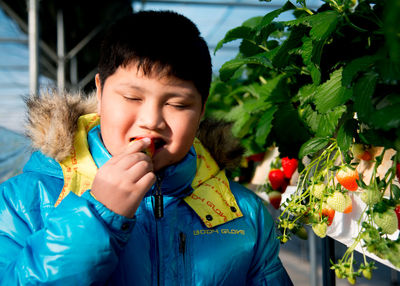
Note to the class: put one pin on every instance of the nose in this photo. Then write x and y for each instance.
(150, 116)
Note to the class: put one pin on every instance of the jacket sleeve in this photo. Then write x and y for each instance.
(76, 243)
(267, 268)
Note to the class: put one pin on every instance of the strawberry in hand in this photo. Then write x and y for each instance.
(289, 166)
(149, 151)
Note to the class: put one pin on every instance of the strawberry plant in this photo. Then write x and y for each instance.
(324, 88)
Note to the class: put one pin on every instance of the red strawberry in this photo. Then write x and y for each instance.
(328, 212)
(360, 152)
(289, 166)
(276, 178)
(149, 150)
(275, 199)
(397, 210)
(347, 177)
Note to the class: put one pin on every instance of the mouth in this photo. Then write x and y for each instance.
(158, 142)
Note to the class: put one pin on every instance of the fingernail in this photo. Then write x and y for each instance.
(146, 140)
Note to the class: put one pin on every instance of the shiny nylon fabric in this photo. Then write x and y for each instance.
(81, 242)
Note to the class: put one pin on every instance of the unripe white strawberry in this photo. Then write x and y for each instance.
(371, 196)
(337, 201)
(318, 190)
(320, 229)
(387, 221)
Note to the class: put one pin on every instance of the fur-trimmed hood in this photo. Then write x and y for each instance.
(52, 121)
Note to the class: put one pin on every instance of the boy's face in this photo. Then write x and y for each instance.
(133, 105)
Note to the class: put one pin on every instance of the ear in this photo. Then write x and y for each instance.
(98, 92)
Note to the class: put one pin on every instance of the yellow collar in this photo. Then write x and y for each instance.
(212, 199)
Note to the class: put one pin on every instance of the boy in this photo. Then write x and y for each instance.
(92, 207)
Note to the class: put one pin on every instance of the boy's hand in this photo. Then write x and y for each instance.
(121, 183)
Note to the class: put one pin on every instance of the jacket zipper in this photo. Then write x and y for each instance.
(158, 210)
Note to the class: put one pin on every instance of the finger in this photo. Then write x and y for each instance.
(146, 181)
(129, 160)
(136, 172)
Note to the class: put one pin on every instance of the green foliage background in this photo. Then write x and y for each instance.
(330, 73)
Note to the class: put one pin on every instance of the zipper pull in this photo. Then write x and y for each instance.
(158, 200)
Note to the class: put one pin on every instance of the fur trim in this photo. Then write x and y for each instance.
(52, 120)
(216, 136)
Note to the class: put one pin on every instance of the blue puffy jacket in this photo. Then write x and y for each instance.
(81, 242)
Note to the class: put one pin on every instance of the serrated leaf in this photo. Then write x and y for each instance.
(345, 134)
(329, 121)
(230, 67)
(264, 126)
(305, 94)
(312, 146)
(331, 93)
(323, 24)
(241, 32)
(363, 92)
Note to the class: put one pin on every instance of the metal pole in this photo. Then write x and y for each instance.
(73, 71)
(33, 21)
(60, 51)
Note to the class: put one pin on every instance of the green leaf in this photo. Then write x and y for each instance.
(329, 121)
(311, 117)
(331, 93)
(284, 51)
(312, 146)
(395, 191)
(311, 54)
(242, 126)
(252, 22)
(240, 32)
(289, 131)
(346, 134)
(229, 68)
(386, 118)
(305, 94)
(363, 92)
(356, 66)
(253, 106)
(392, 29)
(264, 126)
(267, 19)
(323, 24)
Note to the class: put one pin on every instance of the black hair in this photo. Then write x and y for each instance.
(164, 42)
